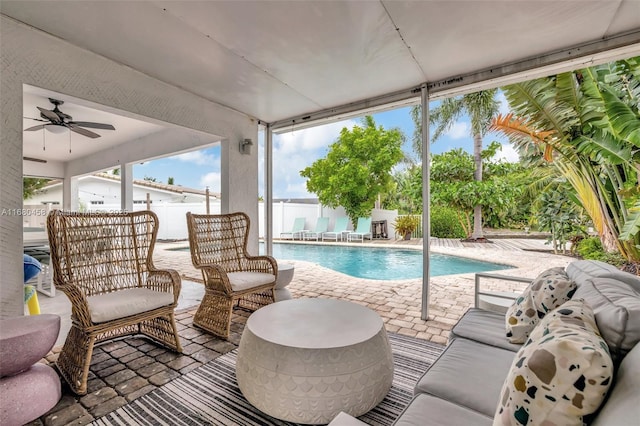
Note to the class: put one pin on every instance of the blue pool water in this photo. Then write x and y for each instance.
(379, 263)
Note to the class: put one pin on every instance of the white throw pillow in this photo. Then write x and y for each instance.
(561, 374)
(549, 290)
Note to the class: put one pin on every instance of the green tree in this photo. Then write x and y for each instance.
(31, 186)
(481, 107)
(170, 180)
(357, 168)
(150, 179)
(453, 185)
(406, 193)
(586, 124)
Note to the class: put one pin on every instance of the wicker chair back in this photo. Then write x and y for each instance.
(220, 240)
(101, 252)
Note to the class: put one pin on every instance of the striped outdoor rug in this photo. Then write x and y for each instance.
(209, 395)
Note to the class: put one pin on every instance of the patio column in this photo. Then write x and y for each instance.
(126, 187)
(239, 178)
(268, 190)
(11, 286)
(70, 194)
(426, 198)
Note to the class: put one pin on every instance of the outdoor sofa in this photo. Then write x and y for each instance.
(481, 372)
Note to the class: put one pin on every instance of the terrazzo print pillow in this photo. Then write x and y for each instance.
(561, 374)
(549, 290)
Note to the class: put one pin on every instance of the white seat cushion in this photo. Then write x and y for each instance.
(123, 303)
(244, 280)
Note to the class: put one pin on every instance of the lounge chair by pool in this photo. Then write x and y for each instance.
(322, 225)
(363, 230)
(297, 230)
(339, 228)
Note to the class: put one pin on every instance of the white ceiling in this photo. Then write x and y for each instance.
(56, 146)
(274, 60)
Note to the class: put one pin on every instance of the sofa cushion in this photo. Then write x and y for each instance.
(485, 327)
(469, 374)
(427, 410)
(561, 374)
(583, 270)
(622, 406)
(617, 310)
(549, 290)
(124, 303)
(26, 340)
(344, 419)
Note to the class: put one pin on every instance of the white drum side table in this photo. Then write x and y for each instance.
(285, 275)
(305, 360)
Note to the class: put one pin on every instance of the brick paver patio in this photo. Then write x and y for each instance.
(126, 369)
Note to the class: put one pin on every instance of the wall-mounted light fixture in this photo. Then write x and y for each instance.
(245, 146)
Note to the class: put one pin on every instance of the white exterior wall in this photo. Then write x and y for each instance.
(172, 217)
(29, 56)
(95, 189)
(284, 215)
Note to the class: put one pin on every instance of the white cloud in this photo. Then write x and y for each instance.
(459, 130)
(504, 105)
(212, 180)
(296, 150)
(197, 157)
(286, 174)
(310, 139)
(298, 190)
(508, 154)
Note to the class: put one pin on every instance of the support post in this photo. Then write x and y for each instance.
(426, 202)
(208, 207)
(268, 190)
(126, 187)
(70, 194)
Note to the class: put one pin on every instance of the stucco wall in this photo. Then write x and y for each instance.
(29, 56)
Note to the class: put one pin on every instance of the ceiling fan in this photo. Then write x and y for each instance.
(59, 119)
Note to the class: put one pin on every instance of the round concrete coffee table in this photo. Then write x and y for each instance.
(305, 360)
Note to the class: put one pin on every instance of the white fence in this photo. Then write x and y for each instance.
(173, 223)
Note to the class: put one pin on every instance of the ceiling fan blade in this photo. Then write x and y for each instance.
(36, 119)
(83, 132)
(50, 115)
(37, 160)
(91, 125)
(34, 128)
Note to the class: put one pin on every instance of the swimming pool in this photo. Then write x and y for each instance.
(379, 263)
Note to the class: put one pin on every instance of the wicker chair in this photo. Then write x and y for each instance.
(102, 262)
(218, 245)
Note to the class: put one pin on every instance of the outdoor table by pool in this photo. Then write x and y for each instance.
(305, 360)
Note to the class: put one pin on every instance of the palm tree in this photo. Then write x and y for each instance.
(481, 107)
(586, 123)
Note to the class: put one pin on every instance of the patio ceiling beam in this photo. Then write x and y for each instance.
(585, 55)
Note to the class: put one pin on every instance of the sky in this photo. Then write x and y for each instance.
(293, 151)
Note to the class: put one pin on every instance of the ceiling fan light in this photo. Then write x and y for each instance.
(56, 129)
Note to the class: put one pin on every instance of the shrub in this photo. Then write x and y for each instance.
(406, 224)
(445, 224)
(591, 248)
